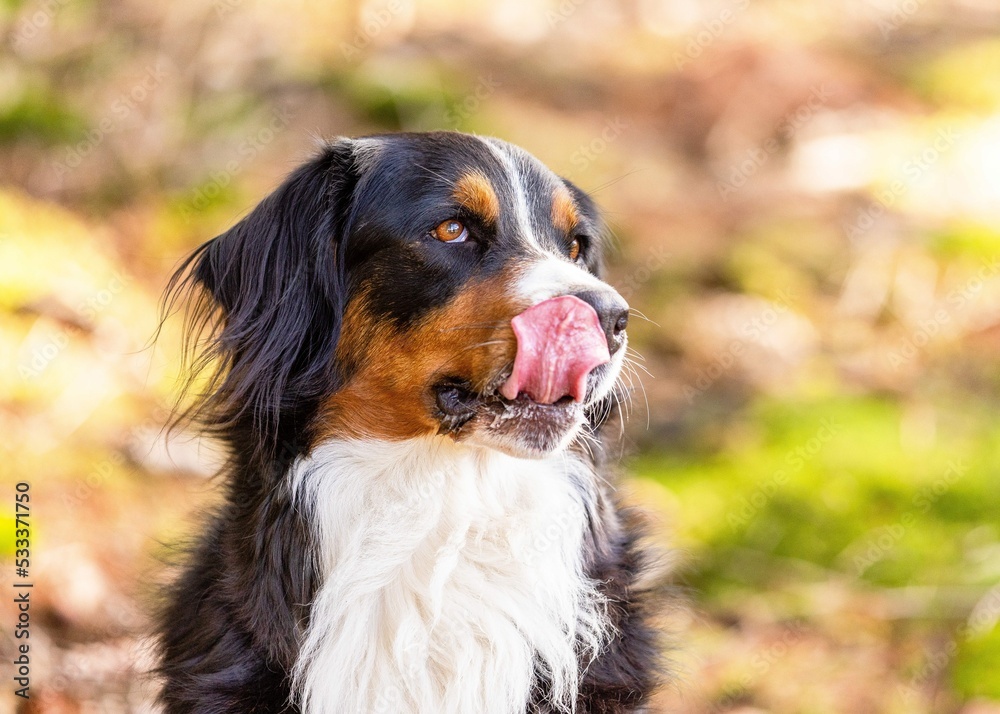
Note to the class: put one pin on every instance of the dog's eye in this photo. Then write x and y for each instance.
(576, 247)
(450, 231)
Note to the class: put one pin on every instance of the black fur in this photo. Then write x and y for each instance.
(269, 300)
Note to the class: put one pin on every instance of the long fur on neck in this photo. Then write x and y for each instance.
(452, 579)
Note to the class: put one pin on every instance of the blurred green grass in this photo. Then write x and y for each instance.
(823, 489)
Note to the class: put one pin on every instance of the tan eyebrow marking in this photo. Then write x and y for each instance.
(474, 191)
(564, 213)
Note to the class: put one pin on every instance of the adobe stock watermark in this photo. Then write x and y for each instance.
(34, 362)
(654, 259)
(37, 357)
(78, 668)
(224, 7)
(99, 472)
(985, 615)
(911, 171)
(883, 540)
(795, 460)
(199, 198)
(930, 327)
(486, 86)
(414, 647)
(738, 174)
(111, 121)
(29, 27)
(564, 11)
(723, 361)
(981, 620)
(708, 33)
(372, 23)
(415, 495)
(586, 154)
(902, 12)
(761, 662)
(555, 530)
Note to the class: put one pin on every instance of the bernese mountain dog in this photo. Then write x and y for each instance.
(410, 354)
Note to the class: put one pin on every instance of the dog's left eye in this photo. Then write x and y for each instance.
(451, 231)
(576, 248)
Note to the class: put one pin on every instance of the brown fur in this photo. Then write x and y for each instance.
(388, 394)
(474, 191)
(564, 213)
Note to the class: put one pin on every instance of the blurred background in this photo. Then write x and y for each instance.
(805, 196)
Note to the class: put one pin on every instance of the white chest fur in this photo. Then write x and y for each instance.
(448, 573)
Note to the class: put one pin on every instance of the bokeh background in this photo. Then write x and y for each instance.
(805, 196)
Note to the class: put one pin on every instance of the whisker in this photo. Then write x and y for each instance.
(625, 398)
(612, 182)
(632, 370)
(588, 442)
(617, 402)
(483, 344)
(632, 352)
(639, 314)
(588, 437)
(600, 417)
(623, 405)
(637, 365)
(473, 326)
(628, 371)
(435, 174)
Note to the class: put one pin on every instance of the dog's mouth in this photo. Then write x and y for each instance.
(560, 343)
(459, 404)
(537, 402)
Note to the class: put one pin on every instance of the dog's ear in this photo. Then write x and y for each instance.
(270, 295)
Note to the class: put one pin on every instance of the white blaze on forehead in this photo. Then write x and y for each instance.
(552, 276)
(513, 159)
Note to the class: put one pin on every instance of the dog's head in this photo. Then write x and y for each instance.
(413, 284)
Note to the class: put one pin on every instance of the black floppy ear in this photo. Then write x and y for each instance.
(267, 320)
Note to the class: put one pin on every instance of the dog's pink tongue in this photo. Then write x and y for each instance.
(559, 341)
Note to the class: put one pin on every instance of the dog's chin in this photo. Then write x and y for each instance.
(524, 428)
(518, 427)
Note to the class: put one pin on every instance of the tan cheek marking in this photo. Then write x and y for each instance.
(388, 393)
(564, 213)
(474, 191)
(368, 350)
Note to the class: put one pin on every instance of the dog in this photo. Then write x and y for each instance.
(411, 355)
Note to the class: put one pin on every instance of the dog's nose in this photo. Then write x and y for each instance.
(612, 311)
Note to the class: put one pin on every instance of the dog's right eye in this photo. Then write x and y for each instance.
(451, 231)
(578, 248)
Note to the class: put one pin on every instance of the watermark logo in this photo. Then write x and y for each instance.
(883, 540)
(752, 332)
(795, 460)
(739, 174)
(912, 170)
(121, 108)
(485, 87)
(198, 199)
(374, 22)
(37, 355)
(587, 153)
(934, 324)
(31, 26)
(710, 31)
